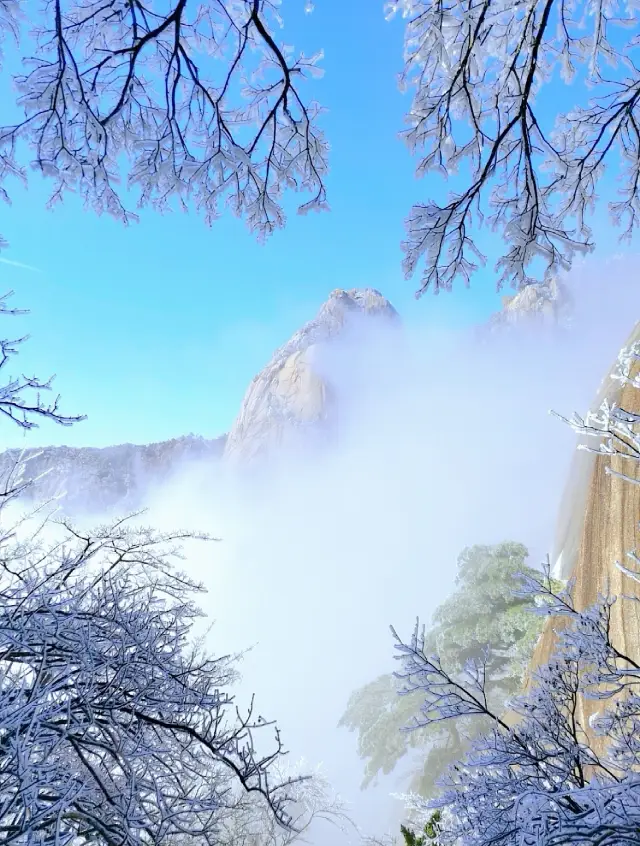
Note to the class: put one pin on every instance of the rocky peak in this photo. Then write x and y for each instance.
(291, 398)
(548, 303)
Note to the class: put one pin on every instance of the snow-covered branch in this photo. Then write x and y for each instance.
(447, 696)
(21, 396)
(311, 800)
(202, 103)
(478, 69)
(537, 779)
(115, 727)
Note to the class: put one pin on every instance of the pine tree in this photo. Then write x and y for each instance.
(481, 613)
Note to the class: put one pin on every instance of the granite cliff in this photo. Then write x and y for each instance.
(293, 398)
(597, 522)
(291, 401)
(597, 526)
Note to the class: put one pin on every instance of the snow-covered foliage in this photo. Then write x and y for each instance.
(539, 776)
(197, 103)
(479, 70)
(115, 726)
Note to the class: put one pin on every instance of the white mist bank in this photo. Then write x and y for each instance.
(441, 445)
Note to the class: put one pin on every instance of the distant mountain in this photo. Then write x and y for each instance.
(544, 304)
(99, 480)
(293, 398)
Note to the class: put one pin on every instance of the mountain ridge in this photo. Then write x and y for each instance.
(291, 396)
(104, 478)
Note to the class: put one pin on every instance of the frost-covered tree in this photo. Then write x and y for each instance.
(115, 726)
(482, 612)
(196, 103)
(312, 800)
(539, 778)
(203, 105)
(483, 74)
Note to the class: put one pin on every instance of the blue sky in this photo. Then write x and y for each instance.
(156, 330)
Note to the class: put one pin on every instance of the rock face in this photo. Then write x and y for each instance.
(98, 480)
(547, 303)
(597, 526)
(292, 399)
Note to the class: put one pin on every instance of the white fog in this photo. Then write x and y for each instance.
(441, 445)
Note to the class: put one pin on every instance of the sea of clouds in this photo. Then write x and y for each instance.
(441, 443)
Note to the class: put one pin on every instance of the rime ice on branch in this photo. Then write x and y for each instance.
(477, 69)
(198, 103)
